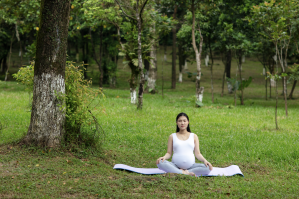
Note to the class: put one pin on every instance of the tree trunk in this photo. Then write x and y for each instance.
(276, 107)
(173, 71)
(240, 74)
(223, 79)
(293, 88)
(285, 94)
(165, 52)
(4, 63)
(181, 62)
(77, 52)
(10, 49)
(228, 70)
(152, 74)
(199, 90)
(142, 79)
(47, 116)
(21, 53)
(266, 80)
(211, 54)
(99, 62)
(270, 89)
(283, 64)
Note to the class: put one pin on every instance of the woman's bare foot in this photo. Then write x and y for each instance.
(186, 172)
(191, 173)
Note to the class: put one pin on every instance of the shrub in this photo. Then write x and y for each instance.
(81, 126)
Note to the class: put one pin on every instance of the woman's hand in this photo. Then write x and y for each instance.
(159, 159)
(208, 164)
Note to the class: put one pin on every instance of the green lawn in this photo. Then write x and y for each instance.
(241, 135)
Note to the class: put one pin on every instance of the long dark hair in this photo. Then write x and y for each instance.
(177, 117)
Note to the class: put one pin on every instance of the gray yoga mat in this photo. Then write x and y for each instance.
(227, 171)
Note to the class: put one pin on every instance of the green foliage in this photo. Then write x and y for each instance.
(199, 104)
(81, 126)
(245, 83)
(294, 73)
(275, 76)
(237, 85)
(25, 76)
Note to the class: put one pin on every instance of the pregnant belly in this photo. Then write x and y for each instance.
(183, 161)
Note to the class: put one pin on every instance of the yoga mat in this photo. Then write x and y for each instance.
(227, 171)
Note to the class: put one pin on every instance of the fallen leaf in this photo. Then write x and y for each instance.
(48, 182)
(63, 182)
(37, 165)
(64, 173)
(12, 177)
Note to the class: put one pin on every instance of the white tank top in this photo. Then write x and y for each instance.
(183, 155)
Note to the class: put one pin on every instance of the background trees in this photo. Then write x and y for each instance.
(103, 34)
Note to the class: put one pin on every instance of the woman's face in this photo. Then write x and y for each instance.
(182, 123)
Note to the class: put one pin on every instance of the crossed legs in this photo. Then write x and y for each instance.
(196, 169)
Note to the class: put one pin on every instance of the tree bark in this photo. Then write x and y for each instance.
(142, 79)
(173, 71)
(47, 116)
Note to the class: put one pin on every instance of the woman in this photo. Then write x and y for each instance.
(183, 144)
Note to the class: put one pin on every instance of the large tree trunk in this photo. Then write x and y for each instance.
(199, 90)
(173, 71)
(47, 116)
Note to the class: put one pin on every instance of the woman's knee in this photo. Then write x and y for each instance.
(162, 163)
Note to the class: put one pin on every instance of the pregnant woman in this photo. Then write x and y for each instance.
(184, 145)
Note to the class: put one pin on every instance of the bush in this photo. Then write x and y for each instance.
(81, 126)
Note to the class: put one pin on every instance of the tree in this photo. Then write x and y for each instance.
(294, 76)
(136, 9)
(277, 21)
(47, 116)
(18, 19)
(198, 51)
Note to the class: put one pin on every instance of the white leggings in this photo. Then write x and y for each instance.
(196, 168)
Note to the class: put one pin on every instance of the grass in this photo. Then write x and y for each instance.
(242, 135)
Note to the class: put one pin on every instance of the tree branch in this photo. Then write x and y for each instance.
(124, 11)
(143, 7)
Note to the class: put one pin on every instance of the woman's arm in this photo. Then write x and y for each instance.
(198, 155)
(169, 151)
